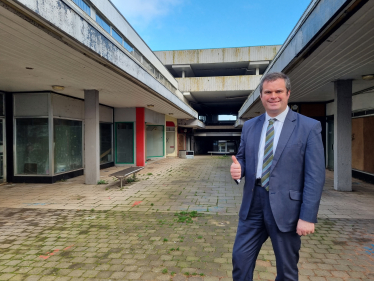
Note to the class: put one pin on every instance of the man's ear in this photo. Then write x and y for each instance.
(289, 92)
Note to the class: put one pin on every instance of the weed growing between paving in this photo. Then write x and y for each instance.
(186, 217)
(102, 182)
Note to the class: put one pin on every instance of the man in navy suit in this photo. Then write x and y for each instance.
(281, 156)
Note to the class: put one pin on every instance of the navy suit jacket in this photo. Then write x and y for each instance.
(297, 173)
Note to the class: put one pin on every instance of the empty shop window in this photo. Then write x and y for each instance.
(81, 4)
(155, 140)
(68, 145)
(106, 143)
(103, 23)
(32, 146)
(124, 143)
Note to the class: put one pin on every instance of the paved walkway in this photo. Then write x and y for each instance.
(150, 229)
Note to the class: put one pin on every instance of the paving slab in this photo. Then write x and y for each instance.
(144, 231)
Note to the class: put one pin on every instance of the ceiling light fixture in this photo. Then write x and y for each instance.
(368, 77)
(29, 68)
(150, 105)
(58, 88)
(239, 97)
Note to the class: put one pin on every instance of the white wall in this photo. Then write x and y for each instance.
(359, 103)
(106, 114)
(125, 114)
(154, 118)
(31, 104)
(66, 107)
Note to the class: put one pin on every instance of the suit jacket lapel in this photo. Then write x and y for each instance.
(257, 135)
(288, 127)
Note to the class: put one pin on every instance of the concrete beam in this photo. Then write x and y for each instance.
(197, 124)
(219, 55)
(221, 83)
(343, 135)
(91, 137)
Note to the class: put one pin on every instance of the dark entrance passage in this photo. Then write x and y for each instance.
(229, 144)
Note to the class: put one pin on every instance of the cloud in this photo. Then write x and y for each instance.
(142, 13)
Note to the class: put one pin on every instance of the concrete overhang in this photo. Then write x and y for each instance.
(47, 43)
(333, 40)
(179, 68)
(219, 55)
(196, 124)
(239, 123)
(219, 84)
(217, 134)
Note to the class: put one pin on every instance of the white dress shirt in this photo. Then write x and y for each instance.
(278, 125)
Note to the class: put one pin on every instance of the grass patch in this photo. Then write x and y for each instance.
(102, 182)
(186, 217)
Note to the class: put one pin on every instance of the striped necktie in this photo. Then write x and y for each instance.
(268, 155)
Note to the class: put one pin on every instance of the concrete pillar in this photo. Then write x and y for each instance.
(140, 136)
(91, 137)
(343, 135)
(183, 74)
(257, 71)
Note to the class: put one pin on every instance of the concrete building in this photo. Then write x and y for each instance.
(329, 57)
(216, 82)
(80, 91)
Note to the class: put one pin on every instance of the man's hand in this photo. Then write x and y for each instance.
(304, 227)
(235, 170)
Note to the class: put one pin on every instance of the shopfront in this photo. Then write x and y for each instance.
(49, 137)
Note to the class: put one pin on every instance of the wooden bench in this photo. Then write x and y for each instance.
(218, 152)
(126, 172)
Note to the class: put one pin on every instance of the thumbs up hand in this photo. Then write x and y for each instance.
(235, 170)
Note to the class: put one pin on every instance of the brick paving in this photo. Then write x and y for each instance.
(71, 231)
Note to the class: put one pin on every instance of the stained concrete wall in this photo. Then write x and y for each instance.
(66, 107)
(220, 55)
(66, 16)
(221, 83)
(111, 13)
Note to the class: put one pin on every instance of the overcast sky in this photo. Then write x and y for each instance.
(198, 24)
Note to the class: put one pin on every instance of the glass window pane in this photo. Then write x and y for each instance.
(32, 146)
(105, 143)
(127, 46)
(116, 36)
(67, 145)
(155, 141)
(83, 6)
(125, 143)
(102, 23)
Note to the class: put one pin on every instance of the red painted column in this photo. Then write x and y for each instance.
(140, 136)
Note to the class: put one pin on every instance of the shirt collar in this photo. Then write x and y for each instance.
(279, 117)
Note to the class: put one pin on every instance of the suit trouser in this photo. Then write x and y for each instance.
(254, 231)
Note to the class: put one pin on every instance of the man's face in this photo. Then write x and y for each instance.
(274, 97)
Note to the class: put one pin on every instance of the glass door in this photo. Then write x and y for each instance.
(124, 141)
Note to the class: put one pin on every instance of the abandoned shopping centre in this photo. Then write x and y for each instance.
(81, 90)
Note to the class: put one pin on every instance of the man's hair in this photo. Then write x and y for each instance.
(270, 77)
